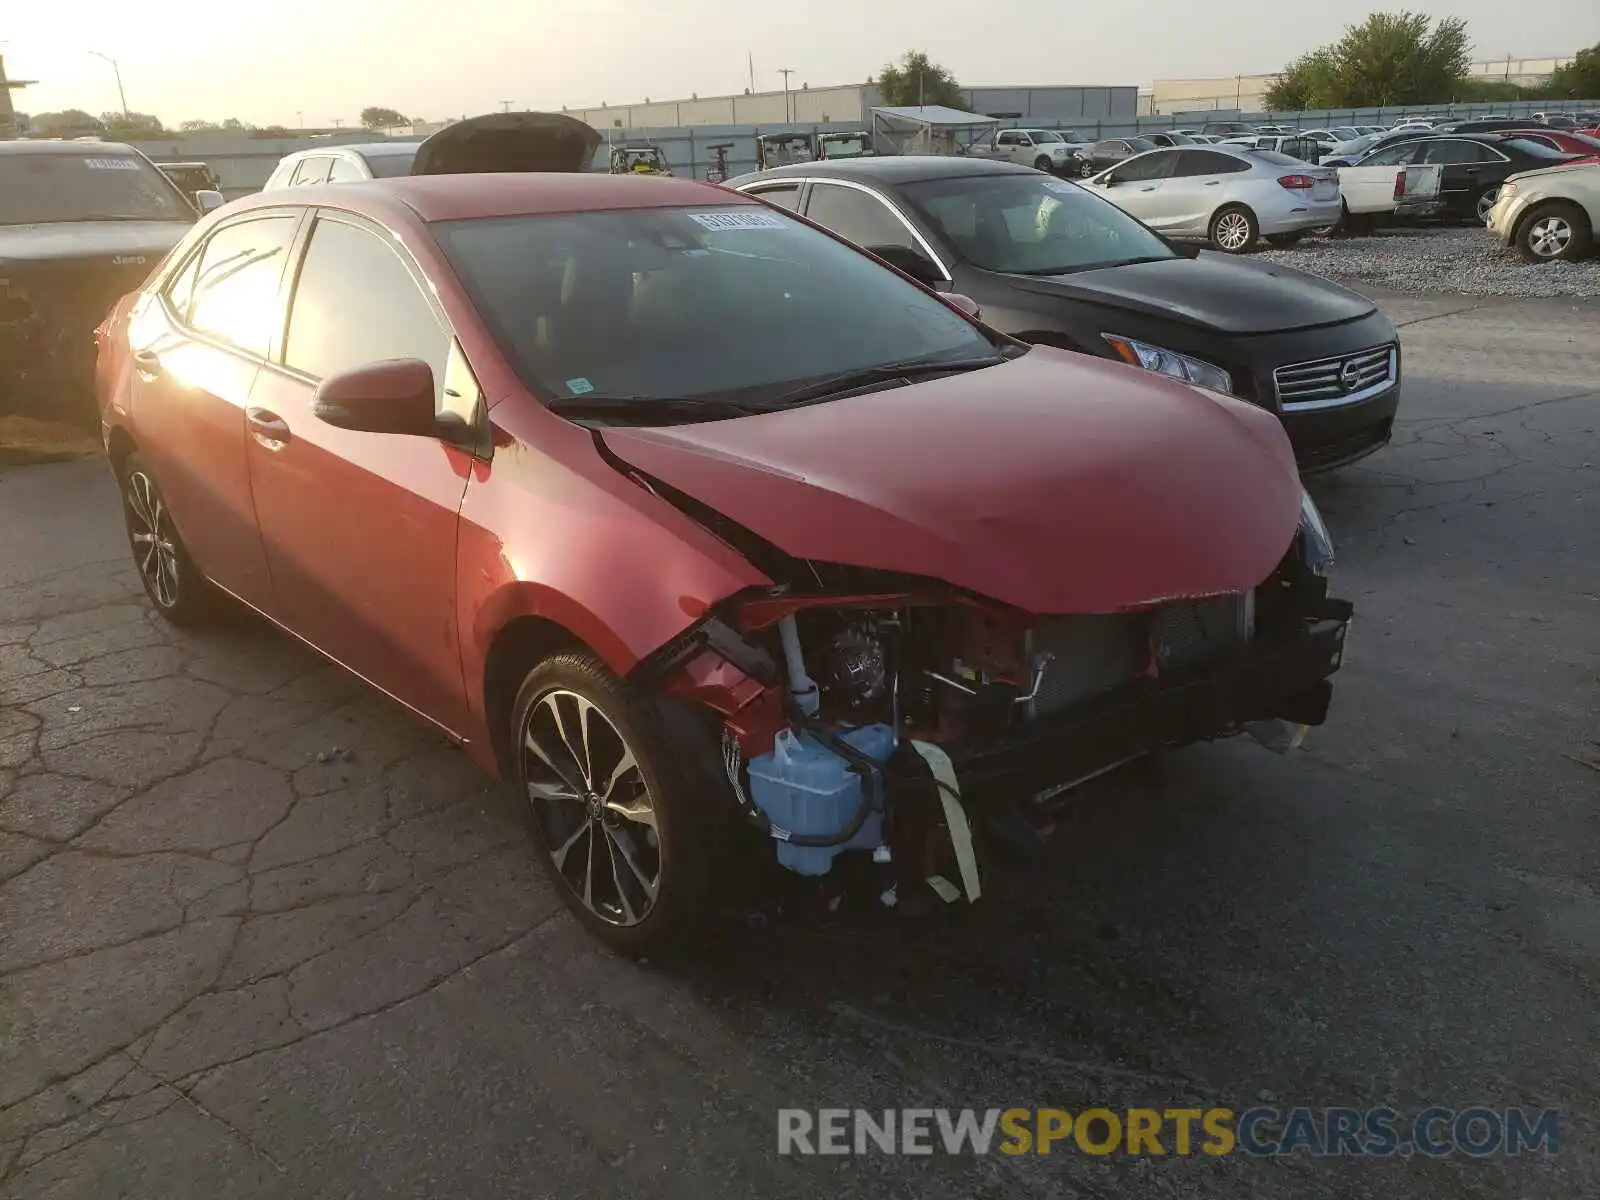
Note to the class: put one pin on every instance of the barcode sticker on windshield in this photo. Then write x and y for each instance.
(112, 164)
(722, 222)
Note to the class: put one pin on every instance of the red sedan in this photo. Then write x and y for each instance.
(708, 531)
(1568, 141)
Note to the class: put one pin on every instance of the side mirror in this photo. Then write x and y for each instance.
(965, 303)
(207, 200)
(393, 396)
(912, 262)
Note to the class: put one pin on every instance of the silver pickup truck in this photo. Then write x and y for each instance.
(1059, 151)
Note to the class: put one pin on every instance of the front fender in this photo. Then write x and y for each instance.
(550, 530)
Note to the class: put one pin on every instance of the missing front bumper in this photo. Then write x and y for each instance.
(1285, 677)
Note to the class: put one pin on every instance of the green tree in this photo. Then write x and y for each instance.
(1389, 59)
(378, 117)
(69, 123)
(132, 125)
(198, 126)
(915, 80)
(1579, 79)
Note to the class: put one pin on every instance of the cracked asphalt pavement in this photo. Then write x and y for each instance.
(262, 935)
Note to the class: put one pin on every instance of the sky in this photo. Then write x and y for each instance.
(294, 62)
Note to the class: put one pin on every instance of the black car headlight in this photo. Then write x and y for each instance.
(1169, 362)
(1316, 546)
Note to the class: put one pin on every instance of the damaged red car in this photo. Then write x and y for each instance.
(687, 518)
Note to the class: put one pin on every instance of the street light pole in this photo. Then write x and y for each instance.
(117, 71)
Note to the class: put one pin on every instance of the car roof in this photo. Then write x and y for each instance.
(891, 169)
(470, 196)
(62, 146)
(366, 149)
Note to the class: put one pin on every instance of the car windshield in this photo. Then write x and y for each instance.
(1045, 135)
(732, 301)
(1178, 139)
(1141, 143)
(1535, 149)
(1031, 224)
(92, 186)
(390, 166)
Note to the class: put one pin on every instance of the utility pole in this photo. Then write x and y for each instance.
(505, 105)
(117, 71)
(338, 121)
(786, 72)
(301, 118)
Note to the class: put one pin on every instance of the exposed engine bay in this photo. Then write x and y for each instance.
(893, 716)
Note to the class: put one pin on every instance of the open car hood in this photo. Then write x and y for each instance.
(1053, 482)
(514, 141)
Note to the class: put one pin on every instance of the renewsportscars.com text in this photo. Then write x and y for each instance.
(1476, 1131)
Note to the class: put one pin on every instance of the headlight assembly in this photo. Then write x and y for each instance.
(1316, 547)
(1170, 362)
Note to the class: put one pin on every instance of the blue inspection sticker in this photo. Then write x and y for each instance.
(579, 387)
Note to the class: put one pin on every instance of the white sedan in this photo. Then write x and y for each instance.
(1229, 195)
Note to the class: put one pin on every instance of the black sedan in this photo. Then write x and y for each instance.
(1474, 165)
(1108, 152)
(1050, 262)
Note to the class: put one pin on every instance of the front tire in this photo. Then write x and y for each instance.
(1042, 163)
(1233, 229)
(618, 809)
(174, 584)
(1086, 169)
(1554, 232)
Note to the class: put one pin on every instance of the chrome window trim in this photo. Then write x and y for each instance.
(900, 216)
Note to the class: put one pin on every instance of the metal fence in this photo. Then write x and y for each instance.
(244, 164)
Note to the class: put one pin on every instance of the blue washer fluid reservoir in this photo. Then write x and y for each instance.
(803, 786)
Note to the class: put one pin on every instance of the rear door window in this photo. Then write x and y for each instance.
(785, 195)
(344, 171)
(234, 295)
(857, 216)
(312, 170)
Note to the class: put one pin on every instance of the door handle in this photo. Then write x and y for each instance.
(1151, 188)
(1213, 183)
(148, 362)
(267, 427)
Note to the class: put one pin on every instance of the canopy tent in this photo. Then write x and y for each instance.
(925, 129)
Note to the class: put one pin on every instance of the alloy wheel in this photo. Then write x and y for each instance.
(593, 808)
(1549, 236)
(1086, 169)
(1233, 231)
(1486, 202)
(155, 546)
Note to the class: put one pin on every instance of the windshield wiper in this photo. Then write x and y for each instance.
(599, 404)
(846, 380)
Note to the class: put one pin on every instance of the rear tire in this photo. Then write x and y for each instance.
(175, 586)
(1233, 229)
(1484, 201)
(1554, 232)
(1085, 169)
(626, 815)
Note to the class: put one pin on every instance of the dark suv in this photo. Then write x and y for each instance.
(81, 224)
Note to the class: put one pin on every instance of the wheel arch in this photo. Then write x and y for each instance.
(119, 445)
(516, 648)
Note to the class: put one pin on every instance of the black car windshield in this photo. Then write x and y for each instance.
(1139, 143)
(1031, 223)
(93, 186)
(728, 301)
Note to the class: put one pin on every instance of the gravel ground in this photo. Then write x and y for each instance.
(1466, 262)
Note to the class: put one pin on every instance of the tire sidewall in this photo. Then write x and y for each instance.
(683, 835)
(196, 597)
(1576, 249)
(1216, 218)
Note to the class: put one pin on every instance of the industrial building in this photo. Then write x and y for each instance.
(851, 103)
